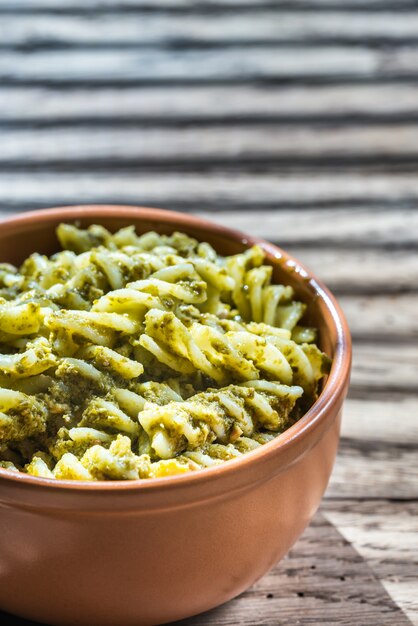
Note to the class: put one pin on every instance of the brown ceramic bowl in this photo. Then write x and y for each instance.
(142, 553)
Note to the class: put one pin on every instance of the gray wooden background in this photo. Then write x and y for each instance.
(294, 120)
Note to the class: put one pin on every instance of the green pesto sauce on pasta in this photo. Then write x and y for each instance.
(132, 357)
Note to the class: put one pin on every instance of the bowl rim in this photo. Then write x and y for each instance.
(333, 391)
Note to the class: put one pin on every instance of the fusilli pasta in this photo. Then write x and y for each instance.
(131, 357)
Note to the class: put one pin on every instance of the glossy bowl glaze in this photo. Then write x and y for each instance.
(153, 551)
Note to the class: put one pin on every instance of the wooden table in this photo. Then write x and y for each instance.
(293, 120)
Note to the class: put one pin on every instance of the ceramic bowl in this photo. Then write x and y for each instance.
(153, 551)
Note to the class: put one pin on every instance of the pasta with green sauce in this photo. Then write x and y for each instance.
(131, 357)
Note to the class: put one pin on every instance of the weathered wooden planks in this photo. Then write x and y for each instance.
(378, 450)
(386, 535)
(213, 144)
(351, 227)
(391, 420)
(382, 318)
(195, 65)
(362, 271)
(159, 28)
(215, 188)
(234, 104)
(367, 470)
(385, 366)
(202, 5)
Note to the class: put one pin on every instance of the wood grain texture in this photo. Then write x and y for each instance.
(386, 535)
(379, 443)
(362, 226)
(227, 103)
(215, 189)
(382, 318)
(367, 470)
(213, 144)
(378, 450)
(195, 65)
(114, 29)
(385, 367)
(201, 5)
(357, 271)
(391, 419)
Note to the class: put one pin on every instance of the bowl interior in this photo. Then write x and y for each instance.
(36, 233)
